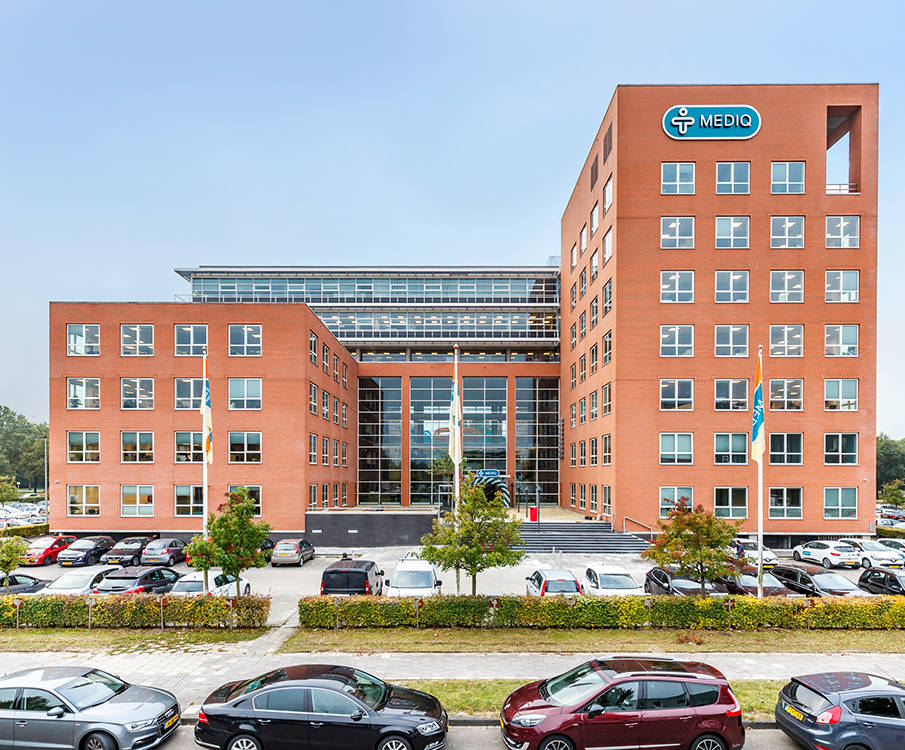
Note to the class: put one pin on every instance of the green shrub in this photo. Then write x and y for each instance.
(890, 533)
(26, 531)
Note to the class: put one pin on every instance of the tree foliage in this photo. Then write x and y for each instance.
(893, 493)
(203, 554)
(21, 448)
(890, 459)
(236, 536)
(11, 550)
(695, 543)
(8, 489)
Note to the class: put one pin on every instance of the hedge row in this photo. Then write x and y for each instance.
(34, 530)
(890, 533)
(136, 611)
(731, 613)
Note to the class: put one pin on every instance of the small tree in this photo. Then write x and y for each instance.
(695, 542)
(11, 550)
(203, 554)
(893, 493)
(236, 536)
(8, 490)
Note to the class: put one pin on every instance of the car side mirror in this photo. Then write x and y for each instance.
(56, 712)
(439, 584)
(595, 710)
(381, 573)
(527, 578)
(358, 715)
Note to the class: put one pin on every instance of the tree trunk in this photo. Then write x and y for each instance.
(238, 587)
(206, 584)
(458, 581)
(474, 584)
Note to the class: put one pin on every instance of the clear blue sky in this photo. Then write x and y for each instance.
(137, 137)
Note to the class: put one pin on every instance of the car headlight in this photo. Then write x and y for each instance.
(528, 720)
(429, 727)
(136, 725)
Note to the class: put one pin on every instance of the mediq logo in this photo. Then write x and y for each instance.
(712, 122)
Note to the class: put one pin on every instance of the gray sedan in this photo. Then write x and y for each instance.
(20, 583)
(55, 708)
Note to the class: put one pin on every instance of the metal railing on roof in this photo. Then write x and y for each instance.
(845, 188)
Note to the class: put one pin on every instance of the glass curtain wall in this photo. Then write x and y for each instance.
(429, 440)
(380, 441)
(484, 423)
(537, 439)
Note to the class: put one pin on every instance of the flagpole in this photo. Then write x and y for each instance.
(760, 493)
(457, 436)
(204, 438)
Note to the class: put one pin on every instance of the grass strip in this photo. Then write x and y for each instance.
(121, 639)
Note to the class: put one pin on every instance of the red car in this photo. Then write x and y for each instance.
(625, 701)
(44, 551)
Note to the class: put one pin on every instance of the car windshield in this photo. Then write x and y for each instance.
(82, 544)
(575, 686)
(412, 579)
(117, 583)
(873, 546)
(268, 678)
(751, 580)
(834, 581)
(129, 544)
(71, 581)
(188, 586)
(284, 546)
(40, 544)
(367, 688)
(617, 581)
(561, 586)
(158, 545)
(92, 689)
(687, 583)
(845, 548)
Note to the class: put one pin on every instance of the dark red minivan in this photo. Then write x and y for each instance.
(625, 701)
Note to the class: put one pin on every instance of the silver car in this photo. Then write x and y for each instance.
(54, 708)
(76, 582)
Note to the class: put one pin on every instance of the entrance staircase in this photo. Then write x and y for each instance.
(571, 536)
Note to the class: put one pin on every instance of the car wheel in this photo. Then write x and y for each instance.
(47, 560)
(394, 743)
(865, 563)
(827, 563)
(708, 742)
(170, 561)
(246, 591)
(556, 742)
(796, 555)
(98, 741)
(243, 742)
(90, 560)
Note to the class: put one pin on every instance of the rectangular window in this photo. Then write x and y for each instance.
(582, 453)
(583, 282)
(730, 502)
(335, 410)
(843, 231)
(325, 405)
(732, 231)
(606, 402)
(840, 394)
(840, 448)
(840, 502)
(787, 177)
(312, 398)
(188, 393)
(325, 495)
(592, 366)
(581, 495)
(325, 358)
(582, 368)
(842, 286)
(572, 494)
(787, 231)
(592, 452)
(593, 314)
(676, 394)
(731, 286)
(573, 296)
(254, 492)
(83, 393)
(787, 341)
(312, 496)
(785, 448)
(672, 496)
(595, 264)
(606, 453)
(730, 341)
(189, 448)
(676, 286)
(676, 232)
(345, 375)
(335, 494)
(573, 461)
(136, 500)
(730, 394)
(592, 498)
(245, 447)
(730, 448)
(574, 255)
(785, 502)
(733, 177)
(191, 339)
(244, 393)
(606, 500)
(675, 448)
(841, 340)
(592, 408)
(83, 340)
(582, 326)
(785, 394)
(325, 451)
(137, 447)
(136, 393)
(573, 411)
(573, 336)
(83, 447)
(607, 245)
(583, 239)
(136, 340)
(245, 340)
(573, 380)
(312, 347)
(84, 500)
(336, 452)
(312, 448)
(595, 219)
(677, 341)
(189, 500)
(345, 455)
(677, 178)
(607, 296)
(345, 495)
(608, 194)
(335, 369)
(786, 286)
(345, 418)
(607, 347)
(582, 411)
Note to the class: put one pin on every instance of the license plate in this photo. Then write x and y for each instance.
(172, 720)
(112, 561)
(794, 712)
(502, 723)
(65, 563)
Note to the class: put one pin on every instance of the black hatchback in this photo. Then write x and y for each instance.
(320, 707)
(883, 581)
(140, 580)
(348, 577)
(813, 581)
(670, 583)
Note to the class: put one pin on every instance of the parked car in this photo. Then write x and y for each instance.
(81, 708)
(85, 551)
(11, 517)
(813, 581)
(267, 548)
(874, 554)
(883, 581)
(829, 554)
(291, 552)
(20, 583)
(77, 582)
(610, 580)
(321, 707)
(219, 582)
(137, 580)
(850, 710)
(752, 555)
(348, 577)
(414, 577)
(168, 551)
(885, 510)
(896, 544)
(44, 550)
(745, 582)
(668, 582)
(549, 581)
(886, 522)
(127, 551)
(625, 702)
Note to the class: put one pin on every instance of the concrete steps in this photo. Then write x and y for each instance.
(579, 537)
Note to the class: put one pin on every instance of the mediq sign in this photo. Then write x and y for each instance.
(711, 122)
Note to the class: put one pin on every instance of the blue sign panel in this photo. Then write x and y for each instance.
(487, 473)
(711, 122)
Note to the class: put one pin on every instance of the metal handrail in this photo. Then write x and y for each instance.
(644, 525)
(844, 188)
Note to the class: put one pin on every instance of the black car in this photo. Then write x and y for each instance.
(320, 707)
(168, 551)
(127, 551)
(670, 583)
(851, 710)
(19, 583)
(883, 581)
(267, 548)
(348, 577)
(813, 581)
(138, 580)
(744, 581)
(85, 551)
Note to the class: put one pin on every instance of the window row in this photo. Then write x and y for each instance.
(840, 340)
(732, 177)
(587, 408)
(785, 503)
(325, 359)
(589, 363)
(586, 453)
(786, 448)
(734, 232)
(783, 394)
(321, 405)
(785, 286)
(587, 498)
(582, 245)
(137, 339)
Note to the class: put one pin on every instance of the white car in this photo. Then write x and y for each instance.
(751, 553)
(828, 553)
(413, 577)
(876, 555)
(220, 584)
(610, 580)
(77, 582)
(896, 544)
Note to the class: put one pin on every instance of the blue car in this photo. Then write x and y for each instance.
(842, 710)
